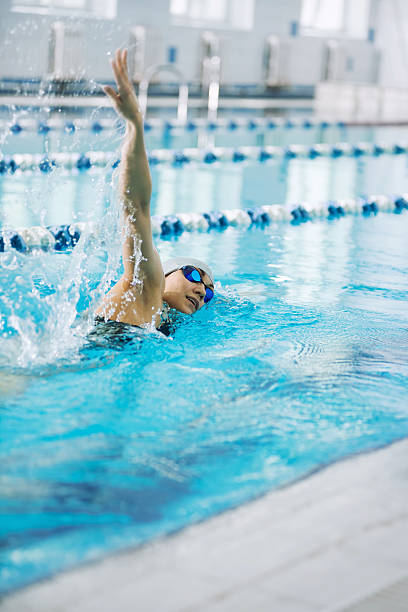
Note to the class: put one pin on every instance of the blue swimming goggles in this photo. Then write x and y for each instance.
(193, 275)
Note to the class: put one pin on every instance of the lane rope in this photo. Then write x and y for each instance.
(65, 237)
(258, 123)
(82, 162)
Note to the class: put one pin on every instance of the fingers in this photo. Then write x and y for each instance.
(124, 62)
(119, 54)
(118, 58)
(121, 57)
(110, 92)
(120, 71)
(125, 92)
(116, 72)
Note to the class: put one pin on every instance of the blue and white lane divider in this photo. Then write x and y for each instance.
(65, 237)
(258, 123)
(101, 159)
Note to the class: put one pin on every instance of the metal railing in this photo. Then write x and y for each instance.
(152, 71)
(210, 72)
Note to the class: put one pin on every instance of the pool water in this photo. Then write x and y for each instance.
(29, 199)
(301, 359)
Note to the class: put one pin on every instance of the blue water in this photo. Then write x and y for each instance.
(300, 360)
(36, 199)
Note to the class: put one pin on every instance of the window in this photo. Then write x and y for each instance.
(104, 9)
(322, 15)
(335, 18)
(230, 14)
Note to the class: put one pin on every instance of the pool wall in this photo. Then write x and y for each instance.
(243, 34)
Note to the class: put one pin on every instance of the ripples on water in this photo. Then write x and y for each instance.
(300, 360)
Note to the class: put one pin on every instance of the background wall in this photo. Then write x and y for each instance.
(391, 19)
(24, 46)
(25, 39)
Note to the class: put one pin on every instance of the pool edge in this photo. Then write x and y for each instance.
(323, 543)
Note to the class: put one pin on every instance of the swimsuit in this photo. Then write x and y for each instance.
(117, 328)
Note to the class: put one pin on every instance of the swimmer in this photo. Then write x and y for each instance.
(147, 287)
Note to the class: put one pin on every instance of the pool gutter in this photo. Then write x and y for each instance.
(325, 543)
(155, 102)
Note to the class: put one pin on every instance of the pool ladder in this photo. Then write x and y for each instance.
(210, 72)
(182, 103)
(210, 78)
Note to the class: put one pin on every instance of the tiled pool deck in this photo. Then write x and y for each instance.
(334, 542)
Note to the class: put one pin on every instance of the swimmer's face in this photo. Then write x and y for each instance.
(182, 294)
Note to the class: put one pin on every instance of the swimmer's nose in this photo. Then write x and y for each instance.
(199, 289)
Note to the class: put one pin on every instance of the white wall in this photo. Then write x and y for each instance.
(390, 20)
(24, 43)
(24, 47)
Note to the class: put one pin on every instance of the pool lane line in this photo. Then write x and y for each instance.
(65, 237)
(17, 126)
(68, 126)
(82, 162)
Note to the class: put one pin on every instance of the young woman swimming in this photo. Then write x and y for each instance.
(183, 283)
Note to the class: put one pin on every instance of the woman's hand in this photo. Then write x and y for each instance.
(124, 100)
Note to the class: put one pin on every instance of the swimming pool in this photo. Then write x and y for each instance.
(62, 197)
(300, 360)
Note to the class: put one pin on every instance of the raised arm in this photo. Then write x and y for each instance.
(135, 185)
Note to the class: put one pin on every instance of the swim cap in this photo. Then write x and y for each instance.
(175, 263)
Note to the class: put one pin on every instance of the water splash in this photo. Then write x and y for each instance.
(47, 300)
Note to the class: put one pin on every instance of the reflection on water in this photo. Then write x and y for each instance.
(316, 260)
(35, 199)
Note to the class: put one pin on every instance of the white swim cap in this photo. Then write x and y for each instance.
(175, 263)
